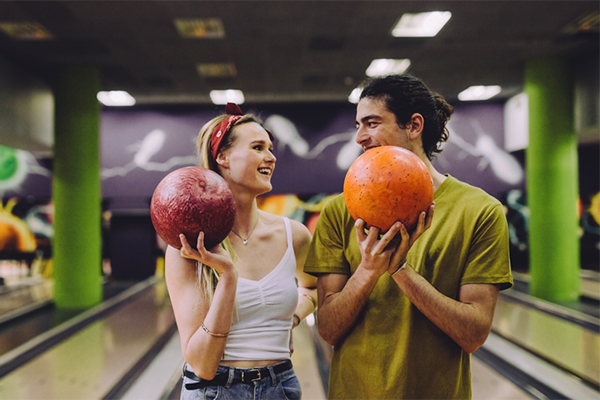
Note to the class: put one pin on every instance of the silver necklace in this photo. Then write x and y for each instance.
(245, 240)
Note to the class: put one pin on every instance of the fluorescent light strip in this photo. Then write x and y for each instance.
(227, 96)
(475, 93)
(421, 25)
(115, 98)
(386, 66)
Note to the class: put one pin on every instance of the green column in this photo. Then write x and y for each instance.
(76, 189)
(552, 182)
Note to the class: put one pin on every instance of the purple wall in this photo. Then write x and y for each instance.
(313, 144)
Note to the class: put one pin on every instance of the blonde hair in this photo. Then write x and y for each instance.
(207, 276)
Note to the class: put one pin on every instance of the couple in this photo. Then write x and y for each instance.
(404, 334)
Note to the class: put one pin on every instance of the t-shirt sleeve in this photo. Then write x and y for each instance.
(326, 252)
(489, 258)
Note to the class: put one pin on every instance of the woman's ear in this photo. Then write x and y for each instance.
(416, 125)
(222, 160)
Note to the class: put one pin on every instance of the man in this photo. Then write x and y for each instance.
(408, 333)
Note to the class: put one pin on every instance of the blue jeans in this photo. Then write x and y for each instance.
(284, 385)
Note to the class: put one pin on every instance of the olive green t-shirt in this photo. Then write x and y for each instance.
(394, 351)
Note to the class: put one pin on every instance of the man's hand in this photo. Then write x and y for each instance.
(408, 239)
(387, 253)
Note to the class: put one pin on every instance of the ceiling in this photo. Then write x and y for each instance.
(286, 51)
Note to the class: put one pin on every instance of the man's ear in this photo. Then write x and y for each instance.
(416, 125)
(222, 160)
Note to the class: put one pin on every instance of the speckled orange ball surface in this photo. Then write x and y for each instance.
(388, 184)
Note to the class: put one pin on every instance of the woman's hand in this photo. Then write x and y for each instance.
(216, 258)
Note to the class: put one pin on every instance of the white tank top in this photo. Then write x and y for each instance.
(265, 309)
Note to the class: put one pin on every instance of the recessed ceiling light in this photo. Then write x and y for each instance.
(25, 30)
(217, 70)
(475, 93)
(421, 25)
(385, 66)
(204, 28)
(227, 96)
(115, 98)
(355, 96)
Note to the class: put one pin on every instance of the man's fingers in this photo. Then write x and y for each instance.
(388, 237)
(359, 226)
(429, 216)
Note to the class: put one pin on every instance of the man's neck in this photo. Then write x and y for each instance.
(437, 177)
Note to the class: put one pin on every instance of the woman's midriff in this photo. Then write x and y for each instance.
(249, 363)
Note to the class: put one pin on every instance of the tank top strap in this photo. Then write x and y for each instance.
(288, 231)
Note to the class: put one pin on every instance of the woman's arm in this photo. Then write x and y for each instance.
(201, 349)
(307, 284)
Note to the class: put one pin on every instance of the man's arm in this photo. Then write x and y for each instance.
(467, 321)
(341, 298)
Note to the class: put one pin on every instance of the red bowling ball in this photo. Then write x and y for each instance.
(190, 200)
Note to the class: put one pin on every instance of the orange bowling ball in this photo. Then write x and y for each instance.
(388, 184)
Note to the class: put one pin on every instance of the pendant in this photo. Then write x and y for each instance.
(245, 241)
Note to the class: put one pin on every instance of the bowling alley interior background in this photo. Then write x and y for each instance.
(141, 146)
(115, 336)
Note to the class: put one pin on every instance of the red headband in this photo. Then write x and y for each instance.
(234, 113)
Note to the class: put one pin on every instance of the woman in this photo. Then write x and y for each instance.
(236, 304)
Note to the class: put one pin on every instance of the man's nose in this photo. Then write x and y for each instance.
(361, 135)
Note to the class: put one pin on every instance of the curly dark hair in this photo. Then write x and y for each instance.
(405, 95)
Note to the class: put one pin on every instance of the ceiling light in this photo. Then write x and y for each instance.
(115, 98)
(25, 30)
(421, 25)
(475, 93)
(386, 66)
(202, 28)
(355, 96)
(227, 96)
(225, 70)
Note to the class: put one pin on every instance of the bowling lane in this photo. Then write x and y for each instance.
(21, 299)
(590, 284)
(306, 362)
(28, 312)
(487, 383)
(565, 344)
(92, 361)
(161, 377)
(589, 298)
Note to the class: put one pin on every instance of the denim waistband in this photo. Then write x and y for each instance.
(227, 376)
